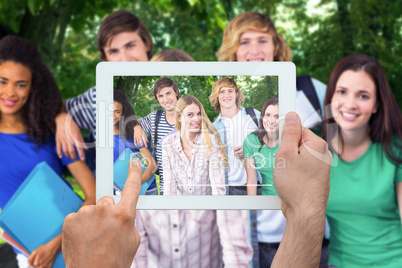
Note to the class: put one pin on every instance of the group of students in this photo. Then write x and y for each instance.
(362, 125)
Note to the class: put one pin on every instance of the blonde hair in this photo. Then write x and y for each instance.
(251, 21)
(206, 126)
(172, 55)
(224, 82)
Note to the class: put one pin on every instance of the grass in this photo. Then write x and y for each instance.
(76, 189)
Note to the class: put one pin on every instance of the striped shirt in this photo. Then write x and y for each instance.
(148, 125)
(200, 175)
(192, 238)
(83, 110)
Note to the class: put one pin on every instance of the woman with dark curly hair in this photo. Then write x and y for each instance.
(260, 147)
(29, 103)
(124, 121)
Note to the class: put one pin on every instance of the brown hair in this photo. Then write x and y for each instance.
(128, 119)
(251, 21)
(172, 55)
(224, 82)
(386, 123)
(261, 130)
(164, 82)
(119, 22)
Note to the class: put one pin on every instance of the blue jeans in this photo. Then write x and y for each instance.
(267, 251)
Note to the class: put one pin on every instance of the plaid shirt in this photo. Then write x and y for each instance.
(200, 175)
(193, 238)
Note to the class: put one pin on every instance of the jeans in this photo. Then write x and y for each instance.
(267, 253)
(241, 190)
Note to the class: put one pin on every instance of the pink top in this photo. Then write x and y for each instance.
(193, 238)
(200, 176)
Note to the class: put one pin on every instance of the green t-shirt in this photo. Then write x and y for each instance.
(363, 212)
(264, 161)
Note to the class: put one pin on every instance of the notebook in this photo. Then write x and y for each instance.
(35, 213)
(120, 170)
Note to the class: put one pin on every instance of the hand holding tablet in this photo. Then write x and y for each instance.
(303, 187)
(103, 235)
(98, 235)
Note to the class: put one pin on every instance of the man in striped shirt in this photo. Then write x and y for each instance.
(121, 37)
(166, 94)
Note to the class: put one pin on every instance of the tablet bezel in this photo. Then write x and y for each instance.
(105, 73)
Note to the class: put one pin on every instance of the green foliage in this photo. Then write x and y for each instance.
(319, 34)
(35, 5)
(257, 89)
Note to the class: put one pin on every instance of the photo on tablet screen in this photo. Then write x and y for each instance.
(205, 133)
(196, 128)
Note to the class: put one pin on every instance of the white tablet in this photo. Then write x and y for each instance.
(249, 76)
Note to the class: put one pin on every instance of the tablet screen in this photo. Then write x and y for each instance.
(207, 138)
(218, 163)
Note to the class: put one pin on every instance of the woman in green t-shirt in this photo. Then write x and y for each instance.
(364, 131)
(259, 149)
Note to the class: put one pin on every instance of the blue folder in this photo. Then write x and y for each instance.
(35, 213)
(120, 171)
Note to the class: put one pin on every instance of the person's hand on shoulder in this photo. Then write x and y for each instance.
(140, 138)
(104, 235)
(67, 135)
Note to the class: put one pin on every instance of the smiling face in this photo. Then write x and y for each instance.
(354, 100)
(227, 98)
(255, 46)
(117, 112)
(126, 46)
(167, 98)
(271, 119)
(191, 118)
(15, 85)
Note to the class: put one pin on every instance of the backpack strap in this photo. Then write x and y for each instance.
(305, 84)
(157, 120)
(251, 113)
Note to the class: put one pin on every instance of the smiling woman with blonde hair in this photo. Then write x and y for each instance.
(194, 157)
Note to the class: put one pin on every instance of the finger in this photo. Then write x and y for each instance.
(132, 187)
(105, 201)
(31, 258)
(79, 141)
(64, 147)
(81, 153)
(71, 151)
(80, 145)
(145, 142)
(314, 142)
(58, 148)
(315, 146)
(291, 134)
